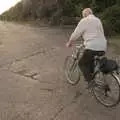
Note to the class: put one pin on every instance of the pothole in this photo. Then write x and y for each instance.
(23, 69)
(28, 73)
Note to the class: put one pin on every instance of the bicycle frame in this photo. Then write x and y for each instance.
(77, 53)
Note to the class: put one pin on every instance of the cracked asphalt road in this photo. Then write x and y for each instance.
(32, 83)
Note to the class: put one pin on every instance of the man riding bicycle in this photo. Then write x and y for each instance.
(91, 29)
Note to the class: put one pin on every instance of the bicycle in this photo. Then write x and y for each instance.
(100, 85)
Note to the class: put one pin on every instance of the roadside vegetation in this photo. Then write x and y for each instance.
(67, 12)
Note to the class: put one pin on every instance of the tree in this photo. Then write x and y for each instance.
(94, 2)
(118, 2)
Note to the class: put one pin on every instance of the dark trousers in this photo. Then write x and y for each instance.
(86, 63)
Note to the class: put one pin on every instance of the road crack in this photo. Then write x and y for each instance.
(62, 109)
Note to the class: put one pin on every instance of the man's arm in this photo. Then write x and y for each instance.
(79, 30)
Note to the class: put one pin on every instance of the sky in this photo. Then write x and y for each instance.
(6, 4)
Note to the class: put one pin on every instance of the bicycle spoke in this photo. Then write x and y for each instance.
(108, 93)
(72, 70)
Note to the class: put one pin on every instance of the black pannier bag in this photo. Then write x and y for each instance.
(107, 65)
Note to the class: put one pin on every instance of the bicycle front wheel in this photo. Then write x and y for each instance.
(72, 71)
(107, 90)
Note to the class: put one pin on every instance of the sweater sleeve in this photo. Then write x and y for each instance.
(79, 30)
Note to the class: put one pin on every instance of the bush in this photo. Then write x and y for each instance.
(65, 20)
(55, 19)
(111, 20)
(72, 8)
(42, 12)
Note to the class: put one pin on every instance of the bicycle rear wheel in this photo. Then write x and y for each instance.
(107, 89)
(72, 71)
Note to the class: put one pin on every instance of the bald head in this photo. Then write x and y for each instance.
(86, 12)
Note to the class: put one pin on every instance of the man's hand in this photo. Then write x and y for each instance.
(68, 44)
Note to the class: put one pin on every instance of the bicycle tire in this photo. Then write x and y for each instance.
(70, 75)
(117, 80)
